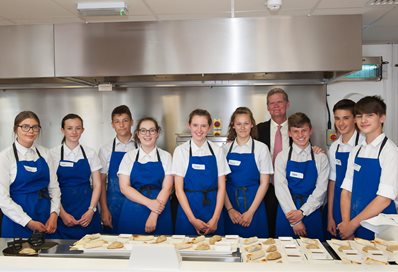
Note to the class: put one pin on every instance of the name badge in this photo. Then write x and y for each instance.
(66, 164)
(30, 169)
(198, 166)
(357, 167)
(296, 175)
(338, 162)
(234, 162)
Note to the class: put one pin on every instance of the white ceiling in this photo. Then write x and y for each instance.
(380, 24)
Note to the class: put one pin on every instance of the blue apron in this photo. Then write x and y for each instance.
(300, 189)
(364, 188)
(242, 186)
(200, 187)
(341, 169)
(76, 193)
(147, 178)
(114, 197)
(30, 191)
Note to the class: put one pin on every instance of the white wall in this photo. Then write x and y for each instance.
(387, 88)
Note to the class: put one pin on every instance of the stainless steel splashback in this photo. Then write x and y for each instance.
(170, 106)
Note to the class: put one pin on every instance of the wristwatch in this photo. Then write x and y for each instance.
(94, 209)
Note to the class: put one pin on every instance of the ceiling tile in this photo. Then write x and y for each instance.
(339, 11)
(372, 15)
(380, 35)
(389, 19)
(334, 4)
(186, 7)
(168, 17)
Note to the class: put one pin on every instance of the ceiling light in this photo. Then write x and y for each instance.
(274, 4)
(102, 8)
(376, 3)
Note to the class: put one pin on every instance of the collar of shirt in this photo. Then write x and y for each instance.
(246, 147)
(72, 154)
(351, 141)
(148, 157)
(275, 125)
(376, 142)
(306, 151)
(25, 150)
(118, 142)
(201, 151)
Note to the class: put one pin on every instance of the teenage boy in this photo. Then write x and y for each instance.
(344, 122)
(371, 182)
(111, 155)
(301, 179)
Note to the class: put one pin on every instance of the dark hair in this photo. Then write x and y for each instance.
(371, 104)
(67, 117)
(231, 130)
(22, 116)
(200, 112)
(298, 120)
(137, 129)
(122, 109)
(278, 91)
(344, 104)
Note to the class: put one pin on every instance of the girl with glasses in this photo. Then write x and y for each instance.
(146, 180)
(78, 166)
(29, 191)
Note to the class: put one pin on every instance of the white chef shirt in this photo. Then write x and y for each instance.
(344, 147)
(105, 152)
(129, 158)
(75, 155)
(284, 132)
(317, 198)
(181, 157)
(262, 155)
(388, 186)
(8, 172)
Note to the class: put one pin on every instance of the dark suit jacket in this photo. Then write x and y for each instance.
(264, 133)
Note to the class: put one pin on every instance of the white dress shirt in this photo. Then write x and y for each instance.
(105, 152)
(181, 157)
(317, 198)
(284, 132)
(262, 155)
(127, 163)
(8, 172)
(388, 186)
(75, 155)
(344, 147)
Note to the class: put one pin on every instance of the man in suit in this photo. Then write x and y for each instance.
(268, 133)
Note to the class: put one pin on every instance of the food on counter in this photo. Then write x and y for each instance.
(392, 248)
(143, 238)
(253, 248)
(214, 239)
(95, 243)
(250, 240)
(92, 236)
(368, 248)
(27, 251)
(370, 260)
(115, 245)
(255, 255)
(340, 242)
(269, 241)
(312, 246)
(198, 239)
(273, 256)
(342, 248)
(203, 246)
(309, 241)
(363, 241)
(180, 246)
(160, 239)
(271, 248)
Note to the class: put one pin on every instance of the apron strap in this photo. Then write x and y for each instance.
(114, 145)
(190, 148)
(357, 139)
(381, 147)
(206, 200)
(230, 149)
(242, 189)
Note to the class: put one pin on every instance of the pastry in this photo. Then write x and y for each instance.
(160, 239)
(312, 246)
(82, 241)
(269, 241)
(342, 248)
(367, 248)
(95, 243)
(180, 246)
(250, 240)
(198, 239)
(115, 245)
(370, 260)
(274, 256)
(92, 236)
(203, 246)
(253, 248)
(271, 248)
(363, 242)
(27, 251)
(308, 240)
(143, 237)
(392, 248)
(214, 239)
(255, 255)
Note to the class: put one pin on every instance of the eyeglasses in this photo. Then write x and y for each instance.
(26, 128)
(151, 131)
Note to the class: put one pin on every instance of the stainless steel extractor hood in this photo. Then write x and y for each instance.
(237, 51)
